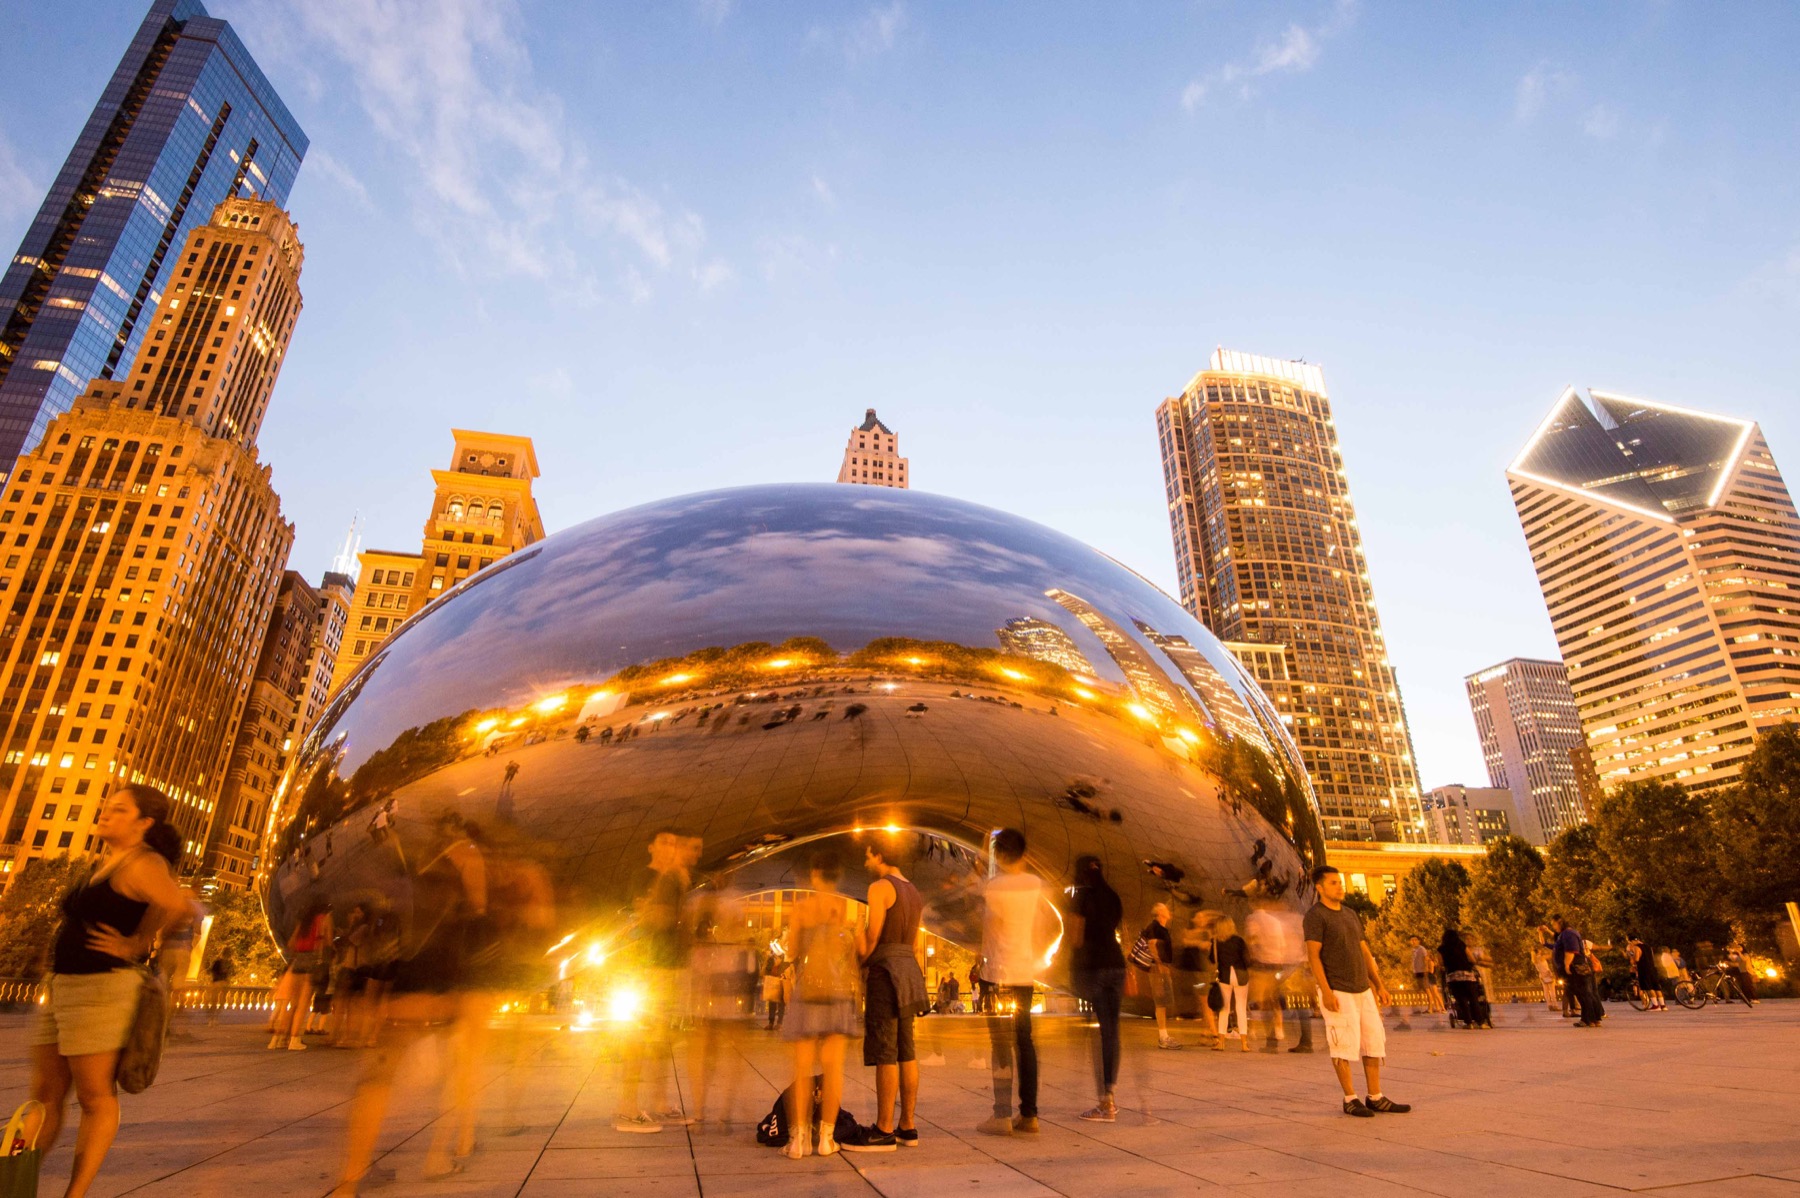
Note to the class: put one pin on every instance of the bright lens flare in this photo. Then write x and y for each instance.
(780, 663)
(488, 725)
(1013, 674)
(553, 703)
(677, 679)
(624, 1004)
(1140, 711)
(1082, 692)
(1189, 735)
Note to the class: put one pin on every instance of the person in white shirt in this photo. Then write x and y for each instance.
(1012, 944)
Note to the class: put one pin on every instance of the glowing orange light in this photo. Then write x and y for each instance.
(1140, 711)
(677, 679)
(553, 703)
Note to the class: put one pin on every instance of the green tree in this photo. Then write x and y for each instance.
(31, 911)
(1574, 884)
(1500, 907)
(1756, 828)
(241, 931)
(1427, 900)
(1656, 848)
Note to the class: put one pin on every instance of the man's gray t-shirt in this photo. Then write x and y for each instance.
(1339, 935)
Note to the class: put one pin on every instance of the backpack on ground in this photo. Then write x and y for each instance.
(773, 1130)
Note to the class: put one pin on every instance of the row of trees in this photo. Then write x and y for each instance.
(1658, 862)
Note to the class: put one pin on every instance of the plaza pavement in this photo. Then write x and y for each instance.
(1683, 1103)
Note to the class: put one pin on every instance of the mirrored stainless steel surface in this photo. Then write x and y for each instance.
(763, 667)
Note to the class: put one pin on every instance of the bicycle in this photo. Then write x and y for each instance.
(1712, 985)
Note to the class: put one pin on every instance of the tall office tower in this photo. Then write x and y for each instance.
(1531, 740)
(1470, 814)
(482, 511)
(143, 548)
(873, 456)
(1268, 552)
(1029, 636)
(1668, 552)
(188, 120)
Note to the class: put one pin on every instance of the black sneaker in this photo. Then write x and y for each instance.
(1354, 1106)
(908, 1137)
(1388, 1106)
(869, 1139)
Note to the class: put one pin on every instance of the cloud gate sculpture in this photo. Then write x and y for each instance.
(767, 667)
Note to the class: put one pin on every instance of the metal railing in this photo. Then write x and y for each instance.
(190, 996)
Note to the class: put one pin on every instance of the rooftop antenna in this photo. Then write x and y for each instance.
(345, 561)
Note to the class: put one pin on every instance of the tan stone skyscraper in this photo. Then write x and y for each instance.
(143, 548)
(483, 510)
(1267, 551)
(1668, 551)
(872, 458)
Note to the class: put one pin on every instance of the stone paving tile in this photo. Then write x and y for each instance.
(1477, 1180)
(929, 1180)
(1755, 1186)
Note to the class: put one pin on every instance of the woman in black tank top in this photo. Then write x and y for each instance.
(110, 924)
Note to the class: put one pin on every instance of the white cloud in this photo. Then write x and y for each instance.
(320, 161)
(711, 276)
(791, 256)
(1537, 88)
(876, 32)
(1296, 51)
(714, 12)
(1601, 123)
(496, 176)
(823, 190)
(19, 193)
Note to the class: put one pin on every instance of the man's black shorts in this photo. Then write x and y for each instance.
(887, 1034)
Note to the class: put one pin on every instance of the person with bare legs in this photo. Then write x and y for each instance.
(667, 942)
(1351, 994)
(110, 923)
(823, 1013)
(294, 1001)
(895, 996)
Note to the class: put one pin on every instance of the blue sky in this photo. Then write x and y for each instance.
(684, 245)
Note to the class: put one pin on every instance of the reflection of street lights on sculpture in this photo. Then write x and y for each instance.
(743, 682)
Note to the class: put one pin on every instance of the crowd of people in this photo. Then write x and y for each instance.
(478, 928)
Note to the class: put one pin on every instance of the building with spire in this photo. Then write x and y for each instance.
(1668, 551)
(186, 121)
(872, 458)
(482, 510)
(1268, 553)
(142, 549)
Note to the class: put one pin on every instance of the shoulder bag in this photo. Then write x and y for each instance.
(20, 1155)
(142, 1055)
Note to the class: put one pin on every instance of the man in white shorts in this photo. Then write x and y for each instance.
(1351, 994)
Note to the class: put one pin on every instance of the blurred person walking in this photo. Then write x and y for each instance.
(1097, 974)
(773, 992)
(823, 1013)
(1576, 965)
(1277, 948)
(667, 945)
(175, 954)
(1012, 944)
(1738, 967)
(110, 922)
(894, 995)
(450, 892)
(1423, 979)
(1351, 995)
(1231, 957)
(1208, 997)
(218, 973)
(294, 993)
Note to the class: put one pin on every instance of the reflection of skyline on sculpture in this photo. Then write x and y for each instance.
(774, 664)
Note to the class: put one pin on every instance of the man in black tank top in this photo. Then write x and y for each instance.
(895, 994)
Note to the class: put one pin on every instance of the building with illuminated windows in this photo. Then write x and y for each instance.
(1268, 553)
(872, 458)
(1532, 743)
(287, 693)
(186, 121)
(481, 511)
(1668, 552)
(142, 549)
(1470, 814)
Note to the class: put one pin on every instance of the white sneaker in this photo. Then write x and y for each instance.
(798, 1145)
(827, 1144)
(640, 1123)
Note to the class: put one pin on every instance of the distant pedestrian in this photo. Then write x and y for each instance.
(1460, 975)
(1576, 965)
(1738, 966)
(1649, 979)
(774, 999)
(1423, 980)
(1012, 942)
(1160, 947)
(1097, 972)
(1231, 956)
(1351, 995)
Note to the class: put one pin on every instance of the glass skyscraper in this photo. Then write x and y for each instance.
(1668, 551)
(1268, 554)
(187, 121)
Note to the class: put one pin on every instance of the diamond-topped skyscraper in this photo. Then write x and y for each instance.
(1268, 553)
(1668, 551)
(186, 121)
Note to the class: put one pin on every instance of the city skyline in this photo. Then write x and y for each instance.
(1436, 382)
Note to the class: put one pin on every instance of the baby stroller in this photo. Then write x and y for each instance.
(1481, 1013)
